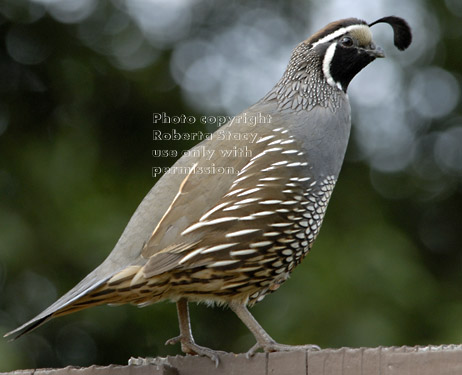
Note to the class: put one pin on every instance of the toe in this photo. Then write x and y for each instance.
(173, 340)
(251, 352)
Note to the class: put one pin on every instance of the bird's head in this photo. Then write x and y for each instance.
(346, 46)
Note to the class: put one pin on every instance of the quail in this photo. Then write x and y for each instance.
(229, 229)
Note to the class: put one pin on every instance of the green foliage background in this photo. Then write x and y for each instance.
(75, 160)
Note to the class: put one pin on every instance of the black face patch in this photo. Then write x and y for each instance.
(347, 62)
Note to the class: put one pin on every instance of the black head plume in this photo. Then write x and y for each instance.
(401, 29)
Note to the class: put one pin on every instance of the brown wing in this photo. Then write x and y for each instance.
(196, 195)
(205, 221)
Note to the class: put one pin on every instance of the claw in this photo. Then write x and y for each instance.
(173, 340)
(186, 339)
(188, 346)
(251, 352)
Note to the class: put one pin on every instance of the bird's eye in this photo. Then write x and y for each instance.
(347, 42)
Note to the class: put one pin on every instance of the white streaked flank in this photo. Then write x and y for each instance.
(268, 137)
(269, 179)
(274, 149)
(247, 192)
(212, 210)
(191, 254)
(281, 225)
(248, 200)
(271, 201)
(263, 213)
(233, 192)
(261, 244)
(258, 156)
(283, 162)
(236, 253)
(247, 218)
(222, 263)
(221, 220)
(271, 234)
(240, 179)
(289, 203)
(218, 247)
(232, 208)
(242, 232)
(234, 285)
(245, 167)
(201, 224)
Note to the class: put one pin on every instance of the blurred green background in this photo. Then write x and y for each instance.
(79, 83)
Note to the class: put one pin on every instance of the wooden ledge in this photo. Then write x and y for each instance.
(419, 360)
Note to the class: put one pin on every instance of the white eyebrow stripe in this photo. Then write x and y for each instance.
(338, 33)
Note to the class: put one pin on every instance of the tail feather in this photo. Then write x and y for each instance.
(25, 328)
(72, 301)
(121, 286)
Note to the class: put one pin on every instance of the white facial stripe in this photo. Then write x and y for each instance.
(326, 66)
(338, 33)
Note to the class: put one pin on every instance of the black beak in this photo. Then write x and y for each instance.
(376, 52)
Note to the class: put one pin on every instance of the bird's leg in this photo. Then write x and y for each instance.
(186, 339)
(264, 341)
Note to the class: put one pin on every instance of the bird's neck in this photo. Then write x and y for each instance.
(303, 85)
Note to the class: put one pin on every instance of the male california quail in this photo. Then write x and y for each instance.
(229, 229)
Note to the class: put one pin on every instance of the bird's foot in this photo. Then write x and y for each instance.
(276, 347)
(188, 346)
